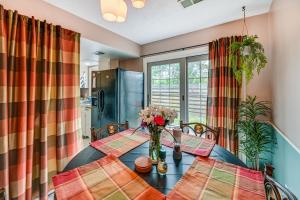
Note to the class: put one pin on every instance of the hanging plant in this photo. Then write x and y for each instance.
(251, 57)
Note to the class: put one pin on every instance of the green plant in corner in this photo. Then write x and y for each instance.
(256, 136)
(251, 57)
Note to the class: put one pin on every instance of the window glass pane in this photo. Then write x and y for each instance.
(194, 70)
(197, 90)
(165, 86)
(155, 72)
(175, 70)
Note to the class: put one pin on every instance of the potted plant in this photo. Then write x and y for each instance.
(256, 136)
(251, 57)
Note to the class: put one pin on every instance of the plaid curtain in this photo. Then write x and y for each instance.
(223, 93)
(39, 103)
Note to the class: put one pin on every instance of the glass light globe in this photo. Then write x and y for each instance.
(110, 9)
(122, 13)
(138, 3)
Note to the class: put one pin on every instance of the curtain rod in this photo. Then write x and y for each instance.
(175, 50)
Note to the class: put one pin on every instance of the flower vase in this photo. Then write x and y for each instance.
(154, 144)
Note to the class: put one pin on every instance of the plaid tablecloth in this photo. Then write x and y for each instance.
(107, 178)
(211, 179)
(190, 144)
(120, 143)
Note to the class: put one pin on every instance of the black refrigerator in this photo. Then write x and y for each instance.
(117, 96)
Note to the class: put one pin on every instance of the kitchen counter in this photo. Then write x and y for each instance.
(85, 103)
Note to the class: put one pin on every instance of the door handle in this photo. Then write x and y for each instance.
(101, 101)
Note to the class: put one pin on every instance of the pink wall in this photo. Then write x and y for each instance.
(44, 11)
(260, 85)
(135, 64)
(285, 54)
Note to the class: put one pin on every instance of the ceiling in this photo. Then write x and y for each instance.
(88, 49)
(161, 19)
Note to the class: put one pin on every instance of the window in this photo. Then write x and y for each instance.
(180, 84)
(165, 84)
(197, 75)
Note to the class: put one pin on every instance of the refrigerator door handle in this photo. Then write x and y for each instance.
(98, 104)
(101, 101)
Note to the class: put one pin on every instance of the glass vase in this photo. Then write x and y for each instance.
(154, 144)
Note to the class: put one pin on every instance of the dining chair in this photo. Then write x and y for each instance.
(108, 130)
(2, 194)
(200, 129)
(274, 190)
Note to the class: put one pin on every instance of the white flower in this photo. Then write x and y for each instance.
(147, 114)
(148, 120)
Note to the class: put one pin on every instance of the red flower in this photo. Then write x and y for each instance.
(159, 120)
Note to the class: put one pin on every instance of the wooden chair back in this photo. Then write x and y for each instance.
(2, 194)
(274, 190)
(108, 130)
(201, 130)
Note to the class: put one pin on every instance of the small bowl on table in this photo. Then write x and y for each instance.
(143, 164)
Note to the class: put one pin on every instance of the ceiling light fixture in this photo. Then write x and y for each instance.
(138, 3)
(109, 9)
(122, 13)
(114, 10)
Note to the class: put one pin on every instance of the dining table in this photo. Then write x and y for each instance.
(176, 169)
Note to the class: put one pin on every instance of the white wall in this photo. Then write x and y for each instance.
(285, 65)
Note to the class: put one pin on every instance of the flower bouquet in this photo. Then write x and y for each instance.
(155, 118)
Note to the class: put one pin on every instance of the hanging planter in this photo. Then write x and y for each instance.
(249, 53)
(246, 51)
(252, 57)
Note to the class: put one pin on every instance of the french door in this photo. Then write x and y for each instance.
(196, 84)
(180, 84)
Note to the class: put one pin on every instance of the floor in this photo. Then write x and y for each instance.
(86, 142)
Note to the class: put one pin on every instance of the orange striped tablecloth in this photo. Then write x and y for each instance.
(120, 143)
(190, 144)
(211, 179)
(107, 178)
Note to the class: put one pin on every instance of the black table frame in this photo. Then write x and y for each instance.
(161, 183)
